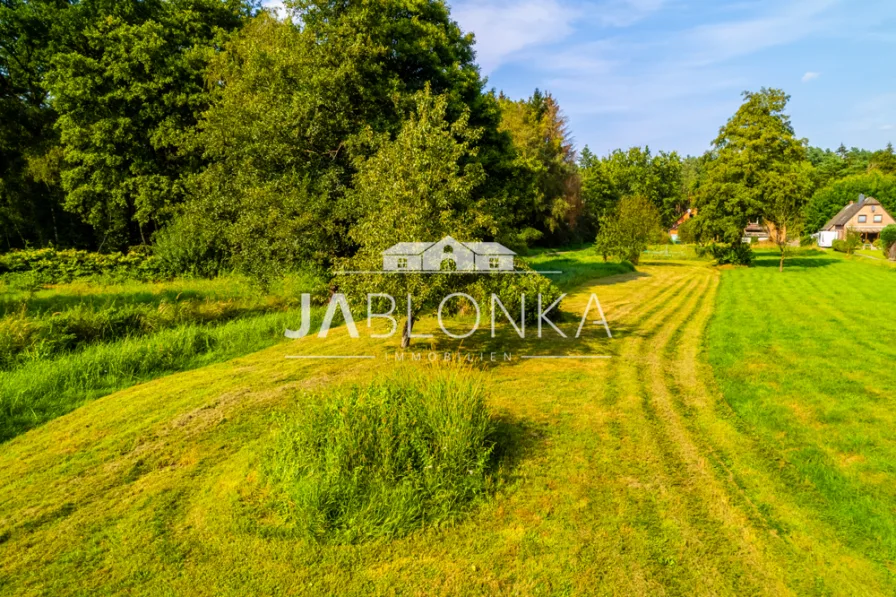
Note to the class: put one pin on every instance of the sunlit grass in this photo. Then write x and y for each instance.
(630, 475)
(806, 358)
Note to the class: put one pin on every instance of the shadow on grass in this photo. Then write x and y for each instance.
(797, 261)
(515, 440)
(670, 263)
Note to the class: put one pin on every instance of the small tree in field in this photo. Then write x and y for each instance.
(629, 228)
(420, 186)
(785, 198)
(888, 241)
(853, 240)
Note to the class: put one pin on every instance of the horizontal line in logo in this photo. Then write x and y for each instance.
(331, 357)
(548, 356)
(565, 356)
(454, 273)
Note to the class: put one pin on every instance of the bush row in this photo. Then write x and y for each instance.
(49, 266)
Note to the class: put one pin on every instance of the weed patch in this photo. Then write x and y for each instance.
(382, 459)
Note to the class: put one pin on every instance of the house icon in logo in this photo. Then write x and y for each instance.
(448, 255)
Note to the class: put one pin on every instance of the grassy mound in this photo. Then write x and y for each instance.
(379, 460)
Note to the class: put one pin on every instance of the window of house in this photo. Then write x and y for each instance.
(873, 208)
(878, 219)
(863, 219)
(494, 263)
(402, 263)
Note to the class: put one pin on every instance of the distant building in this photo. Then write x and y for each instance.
(673, 232)
(758, 230)
(448, 255)
(866, 215)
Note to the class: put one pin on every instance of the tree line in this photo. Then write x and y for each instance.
(227, 138)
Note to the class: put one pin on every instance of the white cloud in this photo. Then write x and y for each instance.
(622, 13)
(504, 28)
(718, 42)
(672, 81)
(887, 127)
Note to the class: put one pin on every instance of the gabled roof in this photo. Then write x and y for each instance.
(489, 248)
(407, 248)
(476, 247)
(846, 214)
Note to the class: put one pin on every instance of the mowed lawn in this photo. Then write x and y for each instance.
(807, 361)
(738, 441)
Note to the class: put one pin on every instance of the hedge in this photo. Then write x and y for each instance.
(51, 266)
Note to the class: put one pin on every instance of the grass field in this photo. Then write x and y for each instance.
(66, 344)
(739, 441)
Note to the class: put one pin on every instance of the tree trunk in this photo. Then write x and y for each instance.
(893, 252)
(406, 332)
(781, 265)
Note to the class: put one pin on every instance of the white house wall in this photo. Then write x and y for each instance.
(505, 262)
(415, 262)
(464, 258)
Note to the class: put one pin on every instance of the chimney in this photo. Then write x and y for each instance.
(861, 198)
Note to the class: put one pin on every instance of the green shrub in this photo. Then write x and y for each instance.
(734, 254)
(839, 245)
(888, 239)
(853, 240)
(188, 246)
(686, 233)
(381, 459)
(49, 266)
(808, 241)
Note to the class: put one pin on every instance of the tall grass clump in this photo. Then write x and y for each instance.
(379, 460)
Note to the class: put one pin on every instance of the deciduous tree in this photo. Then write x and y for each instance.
(755, 151)
(627, 229)
(128, 86)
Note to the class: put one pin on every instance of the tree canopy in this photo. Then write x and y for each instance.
(228, 138)
(756, 161)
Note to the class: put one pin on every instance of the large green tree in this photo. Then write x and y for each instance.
(628, 228)
(784, 201)
(296, 106)
(30, 196)
(831, 166)
(883, 161)
(755, 153)
(128, 85)
(423, 185)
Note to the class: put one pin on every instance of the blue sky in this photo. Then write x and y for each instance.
(668, 73)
